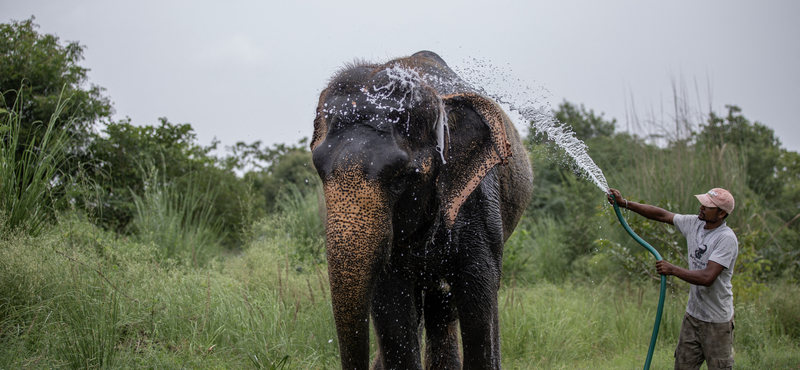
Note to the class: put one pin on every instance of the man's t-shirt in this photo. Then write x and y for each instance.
(713, 303)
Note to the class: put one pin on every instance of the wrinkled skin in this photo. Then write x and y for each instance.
(417, 212)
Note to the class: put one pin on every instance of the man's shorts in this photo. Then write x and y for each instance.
(704, 341)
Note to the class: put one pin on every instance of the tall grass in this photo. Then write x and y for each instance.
(537, 252)
(672, 176)
(179, 220)
(29, 170)
(304, 223)
(549, 326)
(91, 327)
(669, 178)
(79, 297)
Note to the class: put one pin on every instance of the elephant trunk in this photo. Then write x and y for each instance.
(358, 231)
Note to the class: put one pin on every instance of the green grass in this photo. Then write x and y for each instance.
(80, 297)
(29, 170)
(179, 221)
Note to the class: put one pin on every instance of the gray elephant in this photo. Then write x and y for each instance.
(422, 191)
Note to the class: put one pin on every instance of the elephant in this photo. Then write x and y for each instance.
(422, 191)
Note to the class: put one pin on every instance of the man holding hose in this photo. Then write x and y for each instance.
(707, 328)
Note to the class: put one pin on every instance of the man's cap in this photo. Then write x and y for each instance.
(717, 197)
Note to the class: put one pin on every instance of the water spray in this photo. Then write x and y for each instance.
(519, 103)
(663, 291)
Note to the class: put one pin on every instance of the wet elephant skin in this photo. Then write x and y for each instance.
(424, 181)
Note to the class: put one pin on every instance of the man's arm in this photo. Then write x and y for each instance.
(646, 210)
(703, 277)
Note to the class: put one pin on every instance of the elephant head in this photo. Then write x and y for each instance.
(399, 147)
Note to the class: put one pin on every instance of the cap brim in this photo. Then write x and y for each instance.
(705, 200)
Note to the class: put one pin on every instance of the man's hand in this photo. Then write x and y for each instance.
(665, 268)
(617, 196)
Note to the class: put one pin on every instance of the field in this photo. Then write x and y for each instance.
(80, 297)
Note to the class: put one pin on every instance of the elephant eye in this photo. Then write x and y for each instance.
(397, 187)
(335, 124)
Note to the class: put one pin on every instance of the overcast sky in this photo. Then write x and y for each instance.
(253, 70)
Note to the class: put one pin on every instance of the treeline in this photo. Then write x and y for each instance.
(156, 181)
(106, 168)
(571, 232)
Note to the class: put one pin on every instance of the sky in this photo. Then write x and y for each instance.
(253, 70)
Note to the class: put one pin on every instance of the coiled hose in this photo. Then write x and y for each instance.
(663, 292)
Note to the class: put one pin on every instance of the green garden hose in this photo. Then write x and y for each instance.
(663, 283)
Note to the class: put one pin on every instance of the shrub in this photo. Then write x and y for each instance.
(180, 222)
(29, 170)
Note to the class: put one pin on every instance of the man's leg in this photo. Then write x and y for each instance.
(717, 344)
(689, 354)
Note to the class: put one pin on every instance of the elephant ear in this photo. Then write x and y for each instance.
(477, 143)
(320, 121)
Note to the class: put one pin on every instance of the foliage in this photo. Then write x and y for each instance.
(788, 174)
(562, 220)
(722, 154)
(124, 149)
(180, 221)
(668, 178)
(275, 169)
(79, 296)
(29, 170)
(109, 163)
(91, 327)
(751, 267)
(50, 72)
(758, 144)
(773, 175)
(537, 253)
(585, 124)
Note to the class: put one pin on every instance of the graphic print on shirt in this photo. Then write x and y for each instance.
(697, 257)
(700, 251)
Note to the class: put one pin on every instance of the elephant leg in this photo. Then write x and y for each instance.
(397, 321)
(477, 313)
(441, 330)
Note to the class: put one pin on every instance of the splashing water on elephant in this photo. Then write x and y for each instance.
(401, 89)
(521, 102)
(524, 105)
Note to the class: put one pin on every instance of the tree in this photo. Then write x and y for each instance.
(121, 157)
(49, 72)
(274, 169)
(585, 124)
(757, 142)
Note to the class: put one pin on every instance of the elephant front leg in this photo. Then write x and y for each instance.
(397, 321)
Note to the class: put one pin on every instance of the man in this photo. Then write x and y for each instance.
(707, 328)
